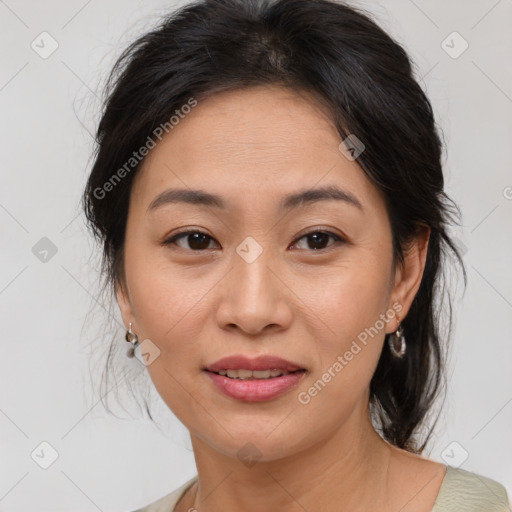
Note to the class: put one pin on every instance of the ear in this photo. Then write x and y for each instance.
(409, 274)
(124, 303)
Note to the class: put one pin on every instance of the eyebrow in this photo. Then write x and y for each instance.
(301, 198)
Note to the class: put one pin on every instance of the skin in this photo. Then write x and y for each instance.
(252, 147)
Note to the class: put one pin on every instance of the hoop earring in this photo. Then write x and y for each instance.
(396, 341)
(132, 338)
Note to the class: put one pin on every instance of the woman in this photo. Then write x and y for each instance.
(269, 194)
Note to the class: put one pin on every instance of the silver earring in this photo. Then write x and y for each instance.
(132, 338)
(397, 342)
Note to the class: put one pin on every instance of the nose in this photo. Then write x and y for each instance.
(254, 298)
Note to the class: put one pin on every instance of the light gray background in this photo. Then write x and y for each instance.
(47, 108)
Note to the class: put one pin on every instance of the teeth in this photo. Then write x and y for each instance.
(249, 374)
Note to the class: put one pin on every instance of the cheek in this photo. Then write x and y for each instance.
(171, 310)
(165, 301)
(344, 310)
(346, 298)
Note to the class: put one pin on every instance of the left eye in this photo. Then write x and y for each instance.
(199, 241)
(317, 239)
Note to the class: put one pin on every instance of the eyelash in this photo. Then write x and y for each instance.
(337, 239)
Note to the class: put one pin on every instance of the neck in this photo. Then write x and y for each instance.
(349, 467)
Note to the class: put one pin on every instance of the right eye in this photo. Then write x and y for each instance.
(197, 240)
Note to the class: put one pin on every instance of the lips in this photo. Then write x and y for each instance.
(260, 363)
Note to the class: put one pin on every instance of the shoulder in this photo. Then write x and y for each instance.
(168, 502)
(471, 492)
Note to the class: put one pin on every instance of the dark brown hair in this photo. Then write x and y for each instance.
(339, 54)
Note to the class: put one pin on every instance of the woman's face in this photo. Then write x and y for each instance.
(255, 283)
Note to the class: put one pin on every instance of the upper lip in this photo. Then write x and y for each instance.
(238, 362)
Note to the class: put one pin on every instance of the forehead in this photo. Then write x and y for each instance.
(251, 146)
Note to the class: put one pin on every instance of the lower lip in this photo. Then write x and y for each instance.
(256, 390)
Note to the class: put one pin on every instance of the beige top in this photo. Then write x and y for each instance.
(460, 490)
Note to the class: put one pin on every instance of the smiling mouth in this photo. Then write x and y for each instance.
(244, 374)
